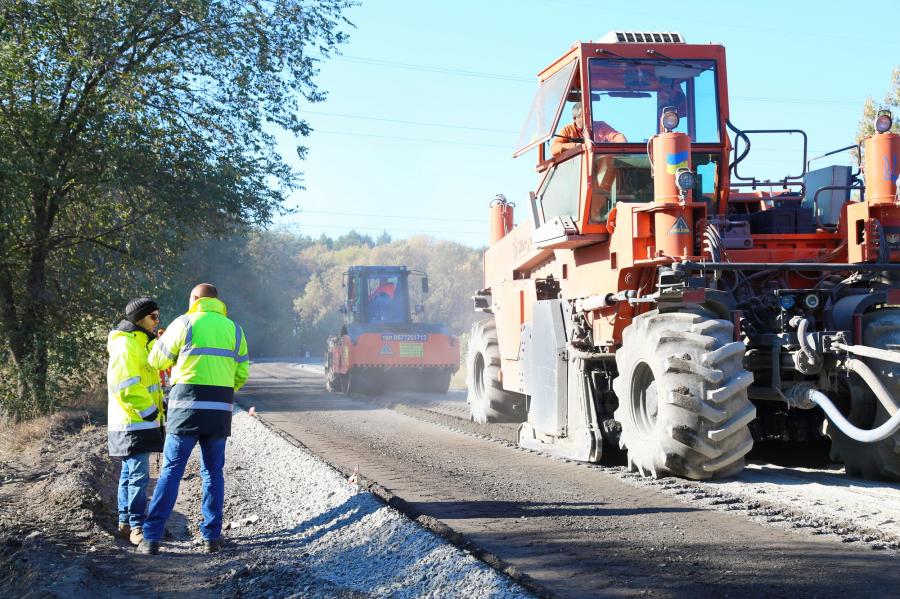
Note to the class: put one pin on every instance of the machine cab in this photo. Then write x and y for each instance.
(380, 294)
(596, 111)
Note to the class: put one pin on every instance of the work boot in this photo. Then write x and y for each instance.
(124, 531)
(148, 547)
(136, 536)
(212, 545)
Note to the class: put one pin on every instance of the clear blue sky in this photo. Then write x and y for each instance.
(425, 104)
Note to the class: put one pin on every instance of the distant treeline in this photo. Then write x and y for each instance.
(285, 288)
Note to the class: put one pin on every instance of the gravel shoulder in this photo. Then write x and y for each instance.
(580, 530)
(295, 528)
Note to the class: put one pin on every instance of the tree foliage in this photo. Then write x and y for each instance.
(129, 127)
(285, 289)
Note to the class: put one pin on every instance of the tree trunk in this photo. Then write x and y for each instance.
(26, 325)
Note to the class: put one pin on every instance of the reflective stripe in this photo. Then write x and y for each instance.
(134, 426)
(200, 405)
(208, 351)
(153, 388)
(188, 331)
(237, 339)
(243, 358)
(165, 350)
(127, 383)
(148, 412)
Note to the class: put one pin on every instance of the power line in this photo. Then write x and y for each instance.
(383, 229)
(406, 217)
(414, 139)
(499, 77)
(434, 69)
(432, 124)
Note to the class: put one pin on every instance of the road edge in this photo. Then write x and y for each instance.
(429, 523)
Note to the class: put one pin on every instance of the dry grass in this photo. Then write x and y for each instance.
(82, 414)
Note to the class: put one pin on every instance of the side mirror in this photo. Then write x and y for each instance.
(424, 284)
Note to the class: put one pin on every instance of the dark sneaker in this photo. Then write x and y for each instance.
(212, 545)
(124, 531)
(148, 547)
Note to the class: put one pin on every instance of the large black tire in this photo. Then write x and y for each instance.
(682, 392)
(881, 460)
(488, 401)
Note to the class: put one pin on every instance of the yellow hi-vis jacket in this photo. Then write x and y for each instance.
(209, 352)
(135, 398)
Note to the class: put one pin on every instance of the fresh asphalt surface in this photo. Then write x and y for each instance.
(576, 531)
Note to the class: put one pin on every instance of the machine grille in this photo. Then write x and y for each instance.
(642, 37)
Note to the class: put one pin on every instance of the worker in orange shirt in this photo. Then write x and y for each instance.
(571, 136)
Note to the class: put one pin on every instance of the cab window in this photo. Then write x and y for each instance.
(626, 178)
(558, 194)
(629, 95)
(545, 109)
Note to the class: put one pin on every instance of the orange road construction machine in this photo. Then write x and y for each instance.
(660, 300)
(380, 346)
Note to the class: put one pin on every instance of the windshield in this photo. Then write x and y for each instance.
(626, 178)
(628, 96)
(545, 109)
(385, 299)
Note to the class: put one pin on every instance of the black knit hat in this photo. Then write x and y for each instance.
(139, 308)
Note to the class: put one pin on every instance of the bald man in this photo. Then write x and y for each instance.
(209, 354)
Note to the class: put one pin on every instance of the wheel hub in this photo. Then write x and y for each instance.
(644, 400)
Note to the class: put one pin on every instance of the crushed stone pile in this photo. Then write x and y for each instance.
(300, 523)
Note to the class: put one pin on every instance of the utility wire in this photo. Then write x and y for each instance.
(423, 123)
(452, 220)
(533, 80)
(383, 229)
(434, 69)
(415, 139)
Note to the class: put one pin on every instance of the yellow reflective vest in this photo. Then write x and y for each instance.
(135, 397)
(211, 362)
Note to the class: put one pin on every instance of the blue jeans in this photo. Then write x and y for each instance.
(133, 489)
(175, 456)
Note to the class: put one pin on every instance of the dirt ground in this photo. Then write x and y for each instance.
(295, 527)
(58, 519)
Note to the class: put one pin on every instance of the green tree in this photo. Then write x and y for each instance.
(129, 127)
(258, 276)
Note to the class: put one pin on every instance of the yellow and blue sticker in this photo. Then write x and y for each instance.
(680, 227)
(676, 161)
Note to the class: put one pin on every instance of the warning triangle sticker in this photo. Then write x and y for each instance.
(386, 350)
(680, 227)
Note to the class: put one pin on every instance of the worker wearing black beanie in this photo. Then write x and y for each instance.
(139, 308)
(135, 410)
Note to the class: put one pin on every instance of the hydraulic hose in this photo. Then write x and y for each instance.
(875, 384)
(813, 361)
(806, 393)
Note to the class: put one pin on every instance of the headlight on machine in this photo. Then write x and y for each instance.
(685, 179)
(670, 119)
(884, 121)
